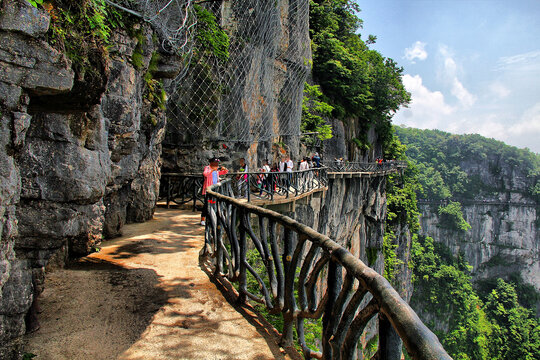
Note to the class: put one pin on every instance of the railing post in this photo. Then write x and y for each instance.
(334, 283)
(288, 314)
(194, 195)
(248, 190)
(242, 279)
(168, 190)
(389, 341)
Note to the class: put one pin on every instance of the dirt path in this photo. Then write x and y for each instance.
(144, 296)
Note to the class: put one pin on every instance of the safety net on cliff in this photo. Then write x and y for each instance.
(245, 64)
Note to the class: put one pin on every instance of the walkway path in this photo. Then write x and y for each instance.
(144, 296)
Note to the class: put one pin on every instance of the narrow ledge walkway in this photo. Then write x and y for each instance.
(144, 296)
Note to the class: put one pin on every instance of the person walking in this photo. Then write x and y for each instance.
(289, 168)
(264, 183)
(242, 179)
(211, 174)
(317, 159)
(304, 175)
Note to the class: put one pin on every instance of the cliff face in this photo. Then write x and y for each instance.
(252, 100)
(78, 156)
(504, 238)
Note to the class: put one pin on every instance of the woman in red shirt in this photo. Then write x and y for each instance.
(211, 175)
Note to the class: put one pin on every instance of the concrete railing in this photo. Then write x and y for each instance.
(306, 277)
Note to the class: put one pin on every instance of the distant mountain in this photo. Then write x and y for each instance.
(470, 166)
(480, 198)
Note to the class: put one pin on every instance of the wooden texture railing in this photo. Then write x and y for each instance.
(304, 276)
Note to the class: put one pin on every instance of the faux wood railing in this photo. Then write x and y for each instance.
(308, 276)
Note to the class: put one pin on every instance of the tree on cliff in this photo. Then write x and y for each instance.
(359, 82)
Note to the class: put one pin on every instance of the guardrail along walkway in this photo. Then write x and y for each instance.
(177, 188)
(309, 280)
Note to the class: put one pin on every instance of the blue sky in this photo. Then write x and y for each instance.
(472, 66)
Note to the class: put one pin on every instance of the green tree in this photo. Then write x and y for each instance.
(516, 331)
(315, 112)
(451, 216)
(359, 82)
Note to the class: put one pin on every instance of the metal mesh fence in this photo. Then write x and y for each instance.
(253, 94)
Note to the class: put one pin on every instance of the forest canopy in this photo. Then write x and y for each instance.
(358, 82)
(440, 158)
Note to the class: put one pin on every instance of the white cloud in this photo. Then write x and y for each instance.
(427, 108)
(529, 124)
(450, 75)
(526, 62)
(499, 90)
(416, 51)
(463, 95)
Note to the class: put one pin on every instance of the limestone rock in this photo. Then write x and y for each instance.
(65, 159)
(33, 65)
(17, 15)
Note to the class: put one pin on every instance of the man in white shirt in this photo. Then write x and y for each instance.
(304, 165)
(282, 165)
(264, 183)
(290, 164)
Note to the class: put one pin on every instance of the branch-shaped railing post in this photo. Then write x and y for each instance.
(305, 276)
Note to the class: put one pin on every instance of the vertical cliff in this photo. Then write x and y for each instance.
(496, 187)
(243, 99)
(80, 148)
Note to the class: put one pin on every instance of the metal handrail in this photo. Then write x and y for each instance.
(367, 167)
(353, 292)
(180, 188)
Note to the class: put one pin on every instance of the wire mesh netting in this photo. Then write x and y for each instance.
(254, 92)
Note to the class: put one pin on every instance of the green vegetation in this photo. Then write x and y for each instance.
(402, 211)
(471, 323)
(440, 157)
(315, 112)
(451, 217)
(358, 82)
(35, 3)
(82, 30)
(211, 39)
(470, 327)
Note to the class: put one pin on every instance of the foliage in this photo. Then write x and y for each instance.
(80, 28)
(35, 3)
(441, 158)
(315, 112)
(211, 38)
(516, 331)
(402, 210)
(499, 328)
(359, 82)
(451, 216)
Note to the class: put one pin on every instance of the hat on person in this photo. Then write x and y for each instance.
(213, 159)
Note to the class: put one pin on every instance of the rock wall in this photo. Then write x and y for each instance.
(504, 239)
(79, 156)
(265, 89)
